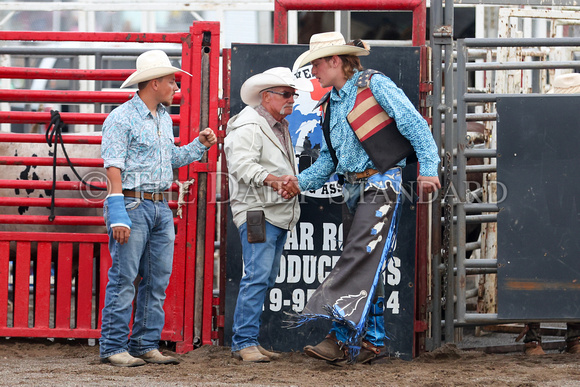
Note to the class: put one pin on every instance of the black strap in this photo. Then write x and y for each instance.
(362, 81)
(326, 131)
(53, 136)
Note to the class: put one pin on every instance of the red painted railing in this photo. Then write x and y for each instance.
(52, 283)
(418, 7)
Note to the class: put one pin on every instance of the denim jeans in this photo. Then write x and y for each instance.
(148, 255)
(375, 331)
(261, 265)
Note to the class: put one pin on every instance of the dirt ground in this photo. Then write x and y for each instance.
(74, 363)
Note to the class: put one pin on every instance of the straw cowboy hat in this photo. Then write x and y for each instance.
(151, 65)
(566, 84)
(274, 77)
(327, 44)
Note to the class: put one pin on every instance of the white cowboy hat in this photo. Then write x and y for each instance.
(327, 44)
(566, 84)
(151, 65)
(274, 77)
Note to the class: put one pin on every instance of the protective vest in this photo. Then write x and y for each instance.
(375, 129)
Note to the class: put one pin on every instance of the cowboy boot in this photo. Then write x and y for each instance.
(270, 354)
(368, 352)
(155, 357)
(123, 359)
(250, 354)
(534, 348)
(329, 349)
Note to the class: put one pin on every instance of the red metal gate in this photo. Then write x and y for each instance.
(52, 283)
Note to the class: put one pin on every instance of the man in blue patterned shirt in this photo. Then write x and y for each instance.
(139, 155)
(353, 295)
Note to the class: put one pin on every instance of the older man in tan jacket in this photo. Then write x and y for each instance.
(260, 156)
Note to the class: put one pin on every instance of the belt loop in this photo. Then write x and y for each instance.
(142, 194)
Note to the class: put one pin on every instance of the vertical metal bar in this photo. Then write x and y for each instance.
(21, 285)
(211, 207)
(63, 285)
(461, 177)
(280, 23)
(201, 194)
(191, 56)
(438, 108)
(184, 257)
(224, 191)
(42, 285)
(423, 232)
(4, 273)
(345, 24)
(104, 265)
(84, 286)
(449, 147)
(419, 24)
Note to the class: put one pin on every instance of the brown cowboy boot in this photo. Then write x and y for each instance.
(573, 346)
(368, 352)
(533, 348)
(329, 349)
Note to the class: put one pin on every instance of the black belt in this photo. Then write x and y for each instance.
(156, 197)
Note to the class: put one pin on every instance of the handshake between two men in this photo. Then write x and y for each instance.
(286, 185)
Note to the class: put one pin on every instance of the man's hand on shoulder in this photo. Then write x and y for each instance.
(207, 137)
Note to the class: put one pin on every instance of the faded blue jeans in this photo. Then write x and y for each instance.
(261, 265)
(148, 254)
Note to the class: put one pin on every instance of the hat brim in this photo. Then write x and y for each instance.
(564, 90)
(153, 73)
(323, 52)
(250, 90)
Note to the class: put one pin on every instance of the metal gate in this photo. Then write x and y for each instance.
(53, 271)
(511, 66)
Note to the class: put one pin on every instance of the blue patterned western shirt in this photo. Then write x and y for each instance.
(349, 151)
(143, 148)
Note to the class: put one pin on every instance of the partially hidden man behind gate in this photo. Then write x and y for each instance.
(260, 157)
(139, 153)
(370, 129)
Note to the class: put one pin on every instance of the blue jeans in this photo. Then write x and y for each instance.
(375, 332)
(261, 265)
(149, 255)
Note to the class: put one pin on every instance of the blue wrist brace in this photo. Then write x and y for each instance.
(116, 211)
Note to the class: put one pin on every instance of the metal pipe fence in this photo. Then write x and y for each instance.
(457, 150)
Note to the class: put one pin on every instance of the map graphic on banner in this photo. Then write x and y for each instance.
(306, 131)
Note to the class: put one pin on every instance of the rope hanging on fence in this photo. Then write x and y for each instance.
(54, 136)
(183, 189)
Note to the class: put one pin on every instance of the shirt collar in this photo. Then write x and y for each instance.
(142, 109)
(261, 110)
